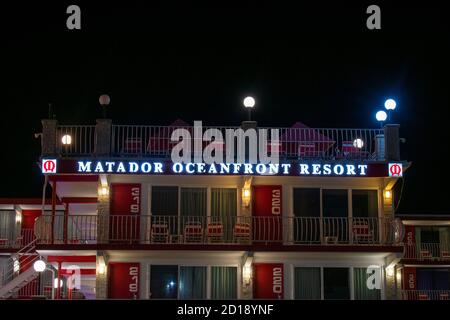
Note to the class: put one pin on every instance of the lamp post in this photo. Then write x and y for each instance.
(390, 106)
(40, 266)
(104, 101)
(249, 103)
(381, 117)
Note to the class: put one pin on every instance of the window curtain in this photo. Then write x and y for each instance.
(444, 238)
(362, 292)
(193, 205)
(224, 209)
(165, 207)
(307, 283)
(223, 282)
(7, 225)
(192, 282)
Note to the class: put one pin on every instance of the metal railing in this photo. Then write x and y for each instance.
(425, 294)
(297, 143)
(428, 251)
(148, 229)
(19, 261)
(15, 238)
(76, 140)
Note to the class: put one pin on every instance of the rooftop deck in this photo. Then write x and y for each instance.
(296, 142)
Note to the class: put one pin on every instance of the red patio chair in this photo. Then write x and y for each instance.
(193, 232)
(214, 232)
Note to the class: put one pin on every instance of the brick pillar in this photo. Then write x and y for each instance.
(390, 289)
(102, 215)
(101, 280)
(246, 289)
(49, 138)
(103, 131)
(392, 142)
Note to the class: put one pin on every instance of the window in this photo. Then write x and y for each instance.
(335, 216)
(165, 208)
(335, 203)
(307, 215)
(365, 203)
(433, 279)
(193, 213)
(336, 283)
(223, 282)
(224, 210)
(306, 202)
(163, 282)
(192, 282)
(307, 283)
(362, 291)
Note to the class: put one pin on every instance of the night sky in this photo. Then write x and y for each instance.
(316, 64)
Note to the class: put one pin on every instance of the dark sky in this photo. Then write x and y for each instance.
(316, 64)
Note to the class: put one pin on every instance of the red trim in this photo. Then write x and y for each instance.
(71, 258)
(83, 272)
(425, 262)
(73, 178)
(79, 200)
(221, 247)
(24, 201)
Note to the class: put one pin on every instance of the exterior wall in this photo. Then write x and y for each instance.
(217, 258)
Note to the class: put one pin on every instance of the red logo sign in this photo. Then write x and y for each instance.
(395, 170)
(49, 166)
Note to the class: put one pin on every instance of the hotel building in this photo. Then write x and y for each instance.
(125, 221)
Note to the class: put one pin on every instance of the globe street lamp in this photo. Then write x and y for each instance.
(390, 106)
(381, 117)
(40, 266)
(249, 103)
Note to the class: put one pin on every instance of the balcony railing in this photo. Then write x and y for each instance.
(428, 252)
(293, 143)
(304, 143)
(15, 239)
(145, 229)
(76, 140)
(425, 294)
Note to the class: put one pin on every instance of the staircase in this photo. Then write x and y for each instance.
(12, 277)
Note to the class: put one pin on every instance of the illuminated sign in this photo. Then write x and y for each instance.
(294, 168)
(221, 168)
(395, 170)
(49, 166)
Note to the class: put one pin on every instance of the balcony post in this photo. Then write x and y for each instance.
(102, 215)
(392, 142)
(49, 147)
(101, 279)
(103, 131)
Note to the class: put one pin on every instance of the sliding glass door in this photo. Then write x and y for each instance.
(335, 215)
(361, 289)
(223, 283)
(193, 282)
(306, 221)
(307, 283)
(224, 211)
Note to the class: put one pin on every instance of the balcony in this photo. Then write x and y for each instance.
(196, 230)
(428, 252)
(296, 142)
(425, 294)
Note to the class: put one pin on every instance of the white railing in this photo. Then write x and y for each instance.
(425, 294)
(15, 238)
(19, 261)
(297, 143)
(215, 229)
(76, 140)
(428, 251)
